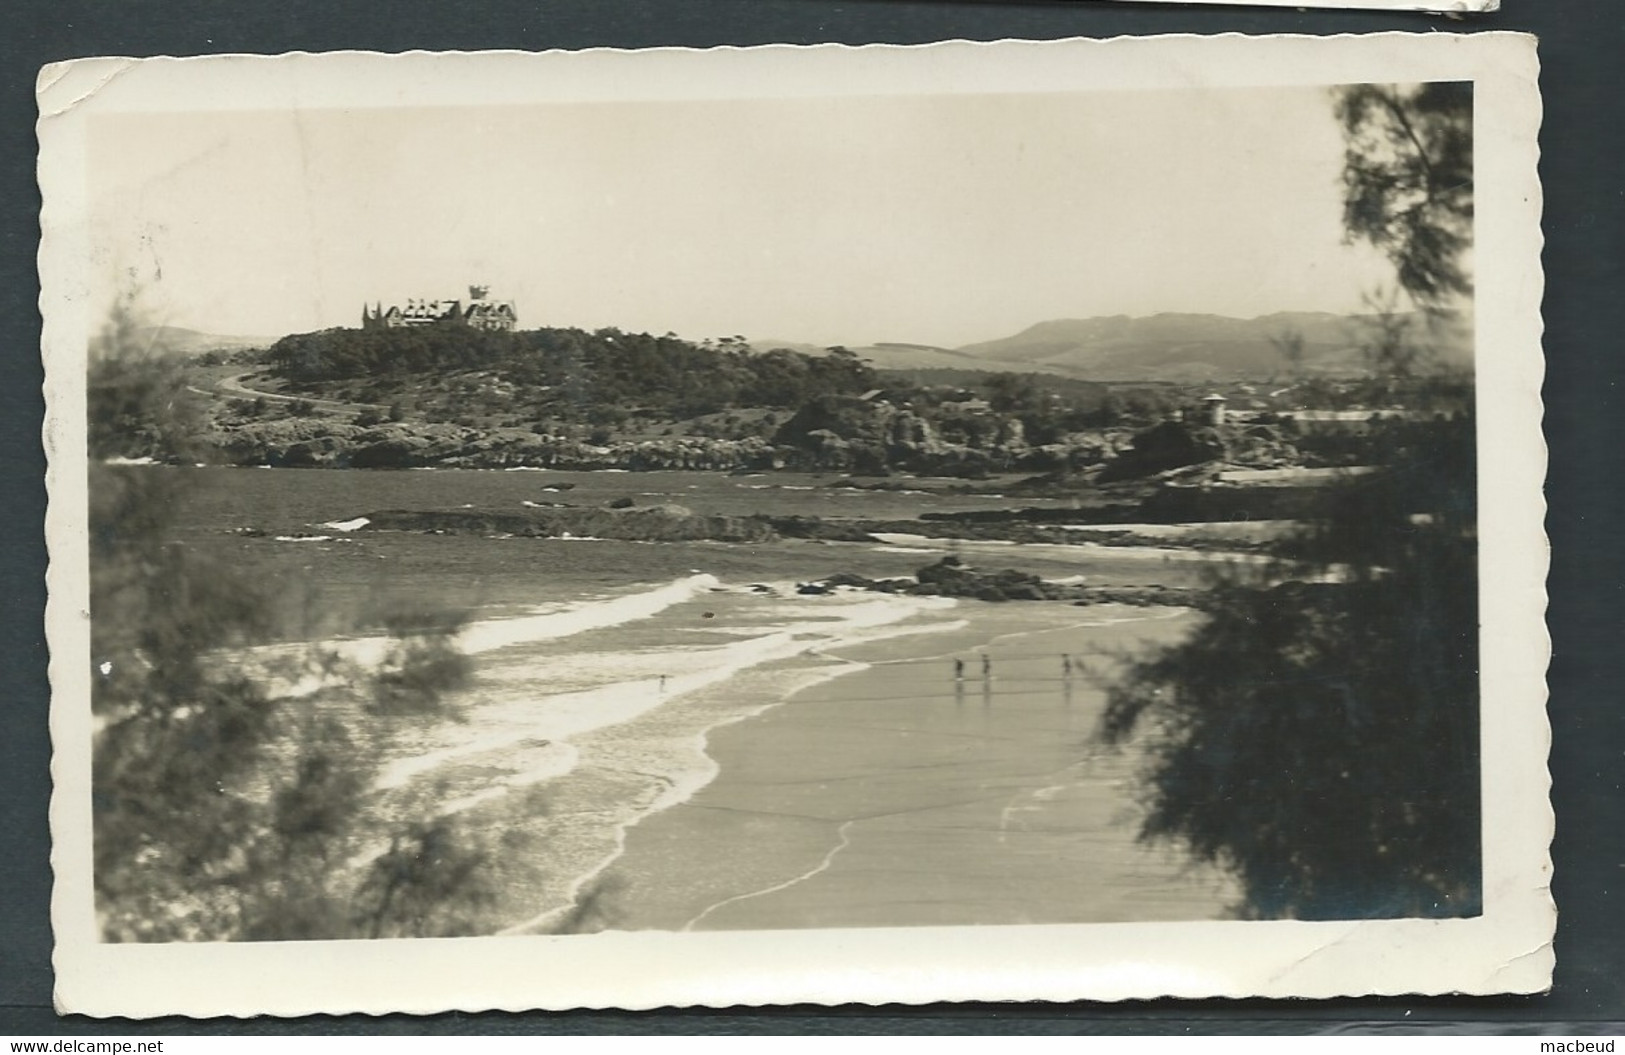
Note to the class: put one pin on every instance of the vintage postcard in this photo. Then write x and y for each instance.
(1017, 521)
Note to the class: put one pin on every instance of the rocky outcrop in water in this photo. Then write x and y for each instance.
(659, 523)
(618, 519)
(950, 577)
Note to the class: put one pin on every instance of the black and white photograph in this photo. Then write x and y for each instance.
(975, 521)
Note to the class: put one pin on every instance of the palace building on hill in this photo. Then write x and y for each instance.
(477, 312)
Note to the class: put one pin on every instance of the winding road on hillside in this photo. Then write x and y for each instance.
(232, 387)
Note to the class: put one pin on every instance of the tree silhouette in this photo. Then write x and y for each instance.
(223, 808)
(1317, 734)
(1319, 739)
(1408, 181)
(1408, 191)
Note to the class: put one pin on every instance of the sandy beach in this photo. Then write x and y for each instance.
(897, 795)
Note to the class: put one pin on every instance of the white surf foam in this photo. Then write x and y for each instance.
(1072, 551)
(594, 615)
(684, 764)
(544, 623)
(347, 525)
(559, 716)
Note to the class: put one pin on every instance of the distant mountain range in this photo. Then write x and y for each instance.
(1167, 347)
(183, 341)
(895, 356)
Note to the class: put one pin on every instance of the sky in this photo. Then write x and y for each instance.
(936, 219)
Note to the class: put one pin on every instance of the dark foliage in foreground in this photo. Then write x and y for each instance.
(1408, 180)
(1320, 740)
(224, 807)
(137, 403)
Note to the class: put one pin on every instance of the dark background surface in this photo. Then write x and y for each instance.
(1582, 42)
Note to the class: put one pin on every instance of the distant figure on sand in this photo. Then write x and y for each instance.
(662, 683)
(1066, 664)
(987, 667)
(959, 670)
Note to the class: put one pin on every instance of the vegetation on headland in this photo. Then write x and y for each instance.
(834, 418)
(570, 399)
(564, 375)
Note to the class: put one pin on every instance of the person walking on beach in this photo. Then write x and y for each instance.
(959, 670)
(987, 667)
(1066, 665)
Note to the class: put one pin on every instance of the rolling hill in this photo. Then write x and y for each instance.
(183, 341)
(890, 355)
(1168, 347)
(1181, 347)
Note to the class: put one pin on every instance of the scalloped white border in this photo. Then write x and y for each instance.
(1507, 950)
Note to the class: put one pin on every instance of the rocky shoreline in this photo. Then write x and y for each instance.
(883, 441)
(949, 577)
(319, 443)
(660, 523)
(669, 522)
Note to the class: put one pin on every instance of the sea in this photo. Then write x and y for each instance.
(604, 671)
